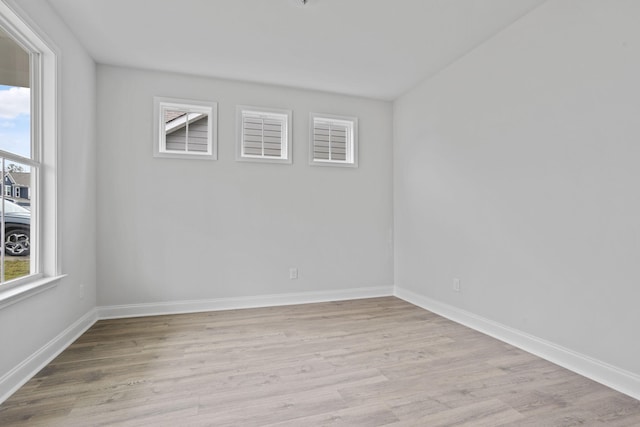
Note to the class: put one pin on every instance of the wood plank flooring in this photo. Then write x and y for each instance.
(373, 362)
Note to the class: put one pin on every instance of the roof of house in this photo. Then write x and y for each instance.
(23, 179)
(172, 115)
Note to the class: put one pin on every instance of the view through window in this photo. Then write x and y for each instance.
(17, 160)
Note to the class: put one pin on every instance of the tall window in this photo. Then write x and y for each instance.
(16, 155)
(28, 255)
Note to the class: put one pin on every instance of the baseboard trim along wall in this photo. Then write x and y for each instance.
(177, 307)
(611, 376)
(19, 375)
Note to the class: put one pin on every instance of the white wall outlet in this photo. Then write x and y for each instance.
(81, 291)
(456, 285)
(293, 273)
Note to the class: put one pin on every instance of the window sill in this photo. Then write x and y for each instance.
(331, 163)
(286, 161)
(18, 293)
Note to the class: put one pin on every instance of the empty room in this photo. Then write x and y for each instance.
(320, 212)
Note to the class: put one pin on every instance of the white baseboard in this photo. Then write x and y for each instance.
(177, 307)
(611, 376)
(19, 375)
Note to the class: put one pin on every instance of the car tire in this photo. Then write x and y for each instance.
(16, 242)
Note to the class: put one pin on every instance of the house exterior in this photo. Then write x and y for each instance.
(17, 187)
(177, 137)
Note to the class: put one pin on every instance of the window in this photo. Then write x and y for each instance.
(28, 124)
(16, 153)
(263, 134)
(333, 140)
(185, 129)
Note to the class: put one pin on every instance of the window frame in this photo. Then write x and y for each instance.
(351, 144)
(161, 103)
(45, 268)
(286, 140)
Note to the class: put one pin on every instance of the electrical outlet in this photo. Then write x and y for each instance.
(456, 285)
(81, 290)
(293, 273)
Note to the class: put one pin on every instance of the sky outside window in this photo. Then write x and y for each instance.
(15, 133)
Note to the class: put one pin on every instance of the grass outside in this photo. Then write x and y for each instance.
(14, 268)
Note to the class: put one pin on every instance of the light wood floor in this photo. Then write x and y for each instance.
(370, 362)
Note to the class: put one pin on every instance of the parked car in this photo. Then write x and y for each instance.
(17, 227)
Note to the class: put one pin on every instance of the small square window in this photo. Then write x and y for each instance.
(185, 129)
(263, 134)
(333, 140)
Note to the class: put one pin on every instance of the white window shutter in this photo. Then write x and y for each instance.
(330, 141)
(263, 135)
(333, 140)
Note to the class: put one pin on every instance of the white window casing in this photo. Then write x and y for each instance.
(263, 135)
(185, 129)
(42, 161)
(333, 140)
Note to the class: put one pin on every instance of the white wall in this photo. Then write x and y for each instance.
(28, 325)
(175, 230)
(517, 170)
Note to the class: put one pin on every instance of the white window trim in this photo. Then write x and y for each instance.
(352, 144)
(16, 192)
(194, 109)
(44, 256)
(287, 148)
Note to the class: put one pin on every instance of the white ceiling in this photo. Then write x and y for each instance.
(371, 48)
